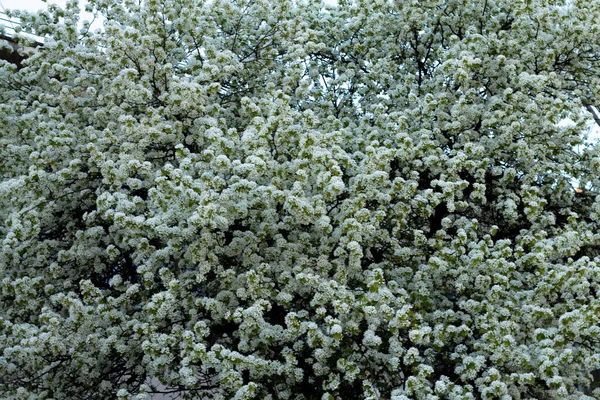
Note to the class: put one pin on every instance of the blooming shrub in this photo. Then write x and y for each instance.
(286, 200)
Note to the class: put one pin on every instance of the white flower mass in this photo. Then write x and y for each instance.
(246, 199)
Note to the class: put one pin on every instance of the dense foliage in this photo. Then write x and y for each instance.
(286, 199)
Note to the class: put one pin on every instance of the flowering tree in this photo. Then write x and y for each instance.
(287, 200)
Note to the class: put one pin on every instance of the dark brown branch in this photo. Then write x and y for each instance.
(592, 111)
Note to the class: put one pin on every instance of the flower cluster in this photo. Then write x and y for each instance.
(293, 200)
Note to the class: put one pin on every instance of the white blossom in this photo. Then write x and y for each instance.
(290, 199)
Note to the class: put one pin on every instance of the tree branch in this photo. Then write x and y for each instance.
(592, 111)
